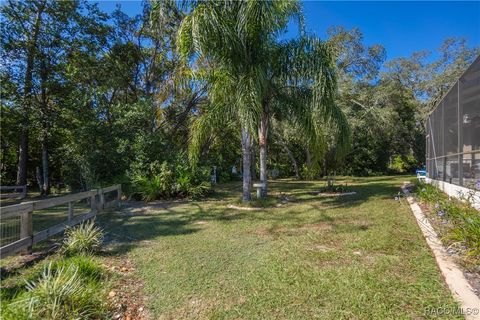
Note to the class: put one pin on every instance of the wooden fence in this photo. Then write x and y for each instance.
(22, 194)
(24, 211)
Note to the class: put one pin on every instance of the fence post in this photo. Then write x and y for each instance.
(102, 200)
(70, 211)
(24, 192)
(93, 202)
(119, 195)
(26, 228)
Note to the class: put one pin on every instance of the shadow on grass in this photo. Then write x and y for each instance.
(137, 224)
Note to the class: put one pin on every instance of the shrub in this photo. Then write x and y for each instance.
(429, 193)
(87, 268)
(83, 239)
(402, 164)
(60, 293)
(199, 191)
(170, 181)
(464, 219)
(148, 188)
(466, 226)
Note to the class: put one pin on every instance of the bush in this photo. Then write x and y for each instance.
(61, 292)
(464, 219)
(429, 193)
(87, 267)
(85, 238)
(148, 188)
(171, 181)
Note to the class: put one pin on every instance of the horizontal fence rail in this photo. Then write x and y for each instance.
(16, 221)
(18, 192)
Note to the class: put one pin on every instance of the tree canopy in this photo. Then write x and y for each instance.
(90, 98)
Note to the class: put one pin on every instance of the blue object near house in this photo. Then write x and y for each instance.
(421, 173)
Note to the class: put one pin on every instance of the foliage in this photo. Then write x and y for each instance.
(174, 180)
(334, 188)
(463, 218)
(67, 289)
(402, 165)
(429, 193)
(256, 77)
(85, 238)
(100, 96)
(307, 246)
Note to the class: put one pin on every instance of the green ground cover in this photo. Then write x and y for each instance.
(300, 256)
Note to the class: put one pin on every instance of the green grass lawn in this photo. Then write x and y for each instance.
(351, 257)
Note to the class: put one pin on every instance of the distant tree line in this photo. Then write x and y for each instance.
(91, 98)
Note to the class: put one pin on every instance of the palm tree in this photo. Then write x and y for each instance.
(301, 88)
(253, 77)
(231, 35)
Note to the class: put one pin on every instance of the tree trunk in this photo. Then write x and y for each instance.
(38, 175)
(325, 171)
(292, 158)
(309, 158)
(262, 144)
(45, 169)
(247, 158)
(22, 155)
(254, 162)
(23, 146)
(45, 124)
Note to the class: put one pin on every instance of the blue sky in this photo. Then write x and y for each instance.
(401, 27)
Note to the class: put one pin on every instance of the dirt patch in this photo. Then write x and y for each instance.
(320, 248)
(126, 297)
(20, 262)
(335, 194)
(231, 206)
(194, 308)
(474, 280)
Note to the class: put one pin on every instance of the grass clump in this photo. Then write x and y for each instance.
(67, 289)
(70, 286)
(86, 238)
(86, 266)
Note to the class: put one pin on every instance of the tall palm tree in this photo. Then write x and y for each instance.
(231, 35)
(301, 88)
(254, 77)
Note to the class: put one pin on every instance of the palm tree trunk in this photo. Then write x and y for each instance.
(247, 158)
(262, 144)
(254, 162)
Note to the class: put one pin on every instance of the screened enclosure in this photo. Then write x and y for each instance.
(453, 132)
